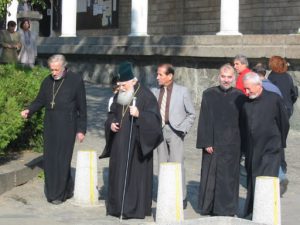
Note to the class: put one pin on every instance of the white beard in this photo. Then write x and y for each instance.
(125, 97)
(254, 96)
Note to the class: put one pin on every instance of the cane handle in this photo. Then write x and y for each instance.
(134, 101)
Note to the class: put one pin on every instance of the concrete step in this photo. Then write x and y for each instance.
(20, 169)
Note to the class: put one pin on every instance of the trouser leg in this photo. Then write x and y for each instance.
(171, 150)
(163, 149)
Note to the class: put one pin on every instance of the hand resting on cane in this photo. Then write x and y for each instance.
(134, 111)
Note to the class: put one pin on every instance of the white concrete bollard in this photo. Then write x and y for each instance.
(169, 197)
(266, 207)
(85, 191)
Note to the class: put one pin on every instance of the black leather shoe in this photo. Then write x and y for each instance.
(184, 203)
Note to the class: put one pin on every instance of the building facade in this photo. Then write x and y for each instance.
(170, 17)
(203, 17)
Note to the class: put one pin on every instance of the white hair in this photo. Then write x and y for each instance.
(58, 58)
(253, 77)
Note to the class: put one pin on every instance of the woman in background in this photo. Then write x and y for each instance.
(284, 82)
(28, 51)
(11, 43)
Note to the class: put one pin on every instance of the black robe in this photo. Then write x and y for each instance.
(61, 124)
(264, 133)
(219, 127)
(146, 136)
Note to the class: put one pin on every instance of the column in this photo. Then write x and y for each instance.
(139, 17)
(69, 15)
(12, 10)
(229, 17)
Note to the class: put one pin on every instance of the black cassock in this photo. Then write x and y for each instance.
(219, 127)
(264, 133)
(61, 124)
(146, 136)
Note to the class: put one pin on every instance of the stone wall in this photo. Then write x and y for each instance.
(195, 17)
(269, 16)
(194, 73)
(184, 17)
(196, 58)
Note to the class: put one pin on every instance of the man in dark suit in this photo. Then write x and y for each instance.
(178, 115)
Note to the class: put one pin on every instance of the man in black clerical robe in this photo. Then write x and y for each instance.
(219, 137)
(145, 137)
(62, 94)
(265, 127)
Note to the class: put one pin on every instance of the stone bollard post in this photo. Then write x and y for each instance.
(266, 207)
(169, 197)
(85, 191)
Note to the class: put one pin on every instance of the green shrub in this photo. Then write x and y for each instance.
(19, 87)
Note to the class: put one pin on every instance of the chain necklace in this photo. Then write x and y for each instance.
(52, 103)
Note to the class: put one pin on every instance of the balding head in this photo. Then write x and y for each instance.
(226, 76)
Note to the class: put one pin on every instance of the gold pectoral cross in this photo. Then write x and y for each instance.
(52, 104)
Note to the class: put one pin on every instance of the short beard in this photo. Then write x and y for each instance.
(253, 96)
(125, 97)
(224, 87)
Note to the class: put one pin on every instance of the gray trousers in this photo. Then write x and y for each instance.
(171, 150)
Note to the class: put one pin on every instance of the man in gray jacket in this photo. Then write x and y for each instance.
(178, 115)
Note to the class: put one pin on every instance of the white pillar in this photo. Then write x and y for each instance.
(229, 17)
(169, 208)
(139, 17)
(85, 188)
(266, 206)
(69, 15)
(12, 10)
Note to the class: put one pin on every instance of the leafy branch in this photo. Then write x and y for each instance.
(4, 3)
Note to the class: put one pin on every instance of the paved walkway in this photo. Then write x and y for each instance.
(26, 204)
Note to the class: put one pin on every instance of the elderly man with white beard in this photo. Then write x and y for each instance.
(265, 127)
(146, 134)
